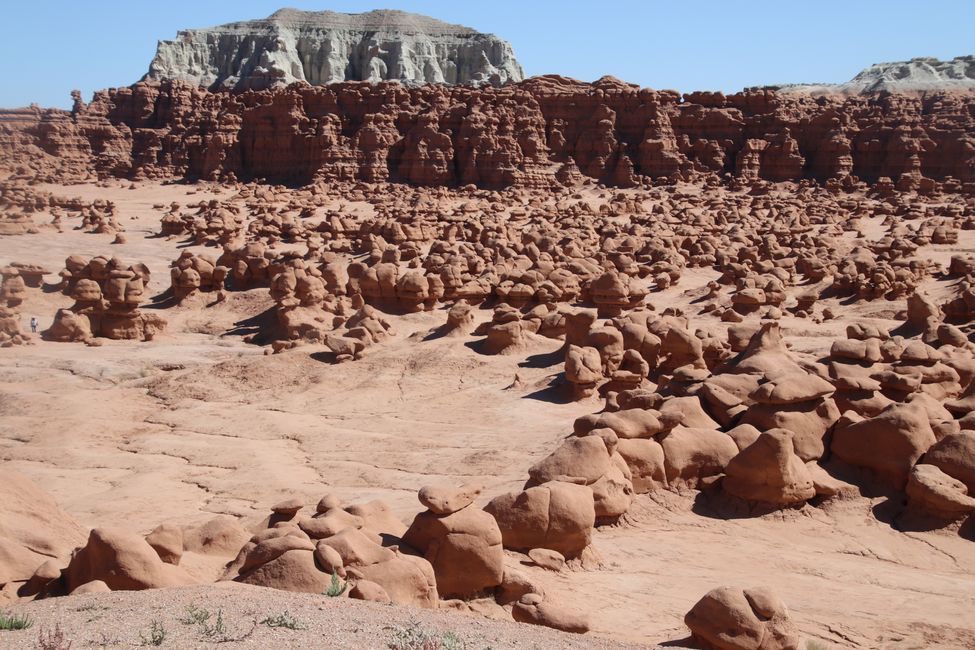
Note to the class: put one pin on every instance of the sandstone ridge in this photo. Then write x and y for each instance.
(918, 74)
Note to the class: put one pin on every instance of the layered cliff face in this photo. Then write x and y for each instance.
(540, 132)
(917, 75)
(327, 47)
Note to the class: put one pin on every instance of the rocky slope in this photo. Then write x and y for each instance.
(918, 74)
(326, 47)
(538, 133)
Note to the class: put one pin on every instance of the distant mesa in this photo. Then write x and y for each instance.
(917, 75)
(322, 47)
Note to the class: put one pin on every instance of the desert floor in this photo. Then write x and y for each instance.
(198, 422)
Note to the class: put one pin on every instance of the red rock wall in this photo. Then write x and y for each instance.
(526, 134)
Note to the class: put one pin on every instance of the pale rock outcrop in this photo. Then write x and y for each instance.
(915, 75)
(326, 47)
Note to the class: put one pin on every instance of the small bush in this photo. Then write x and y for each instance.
(194, 616)
(15, 621)
(90, 607)
(208, 624)
(284, 620)
(52, 639)
(156, 635)
(337, 588)
(414, 637)
(214, 629)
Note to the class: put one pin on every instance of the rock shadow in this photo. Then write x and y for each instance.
(544, 360)
(714, 503)
(259, 326)
(325, 356)
(558, 391)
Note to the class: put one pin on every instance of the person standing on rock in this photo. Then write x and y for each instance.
(33, 324)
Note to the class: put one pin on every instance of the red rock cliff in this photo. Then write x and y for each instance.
(538, 132)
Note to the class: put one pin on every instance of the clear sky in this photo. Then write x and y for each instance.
(48, 47)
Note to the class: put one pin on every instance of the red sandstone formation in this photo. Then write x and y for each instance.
(518, 135)
(107, 296)
(12, 291)
(700, 394)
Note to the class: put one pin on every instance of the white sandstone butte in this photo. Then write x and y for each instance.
(322, 47)
(917, 75)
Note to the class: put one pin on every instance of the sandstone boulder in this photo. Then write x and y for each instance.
(729, 618)
(769, 471)
(555, 515)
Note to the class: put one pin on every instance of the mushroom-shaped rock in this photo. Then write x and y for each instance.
(460, 319)
(729, 618)
(768, 471)
(463, 547)
(583, 369)
(288, 507)
(796, 401)
(588, 461)
(765, 354)
(328, 502)
(330, 523)
(267, 546)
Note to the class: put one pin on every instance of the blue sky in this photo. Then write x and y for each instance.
(48, 47)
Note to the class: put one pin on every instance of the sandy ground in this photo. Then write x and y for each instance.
(128, 620)
(197, 422)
